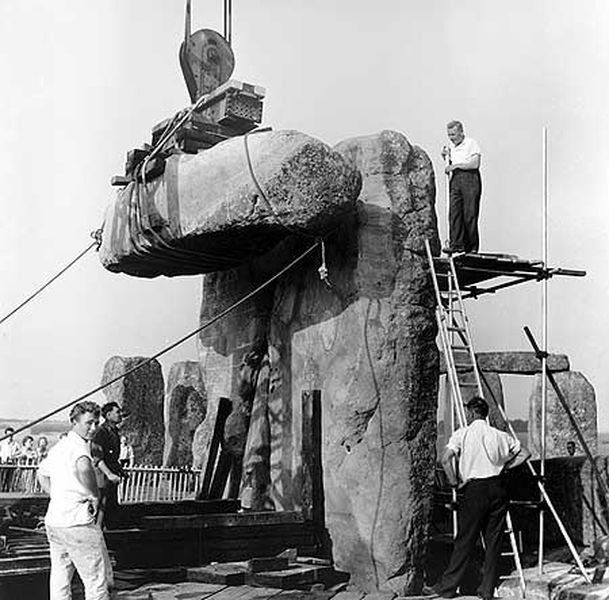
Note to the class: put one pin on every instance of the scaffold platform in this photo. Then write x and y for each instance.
(486, 273)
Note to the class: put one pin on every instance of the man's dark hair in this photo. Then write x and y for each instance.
(84, 407)
(478, 406)
(26, 438)
(9, 430)
(109, 407)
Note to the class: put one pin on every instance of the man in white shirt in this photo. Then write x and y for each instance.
(9, 447)
(463, 167)
(482, 452)
(75, 539)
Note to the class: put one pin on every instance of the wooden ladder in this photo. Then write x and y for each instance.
(458, 350)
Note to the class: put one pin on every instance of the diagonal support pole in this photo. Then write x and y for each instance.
(540, 485)
(578, 432)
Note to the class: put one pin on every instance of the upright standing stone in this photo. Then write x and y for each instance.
(367, 341)
(185, 406)
(581, 398)
(141, 396)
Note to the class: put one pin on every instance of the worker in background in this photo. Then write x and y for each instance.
(76, 541)
(108, 439)
(481, 453)
(42, 448)
(9, 448)
(462, 156)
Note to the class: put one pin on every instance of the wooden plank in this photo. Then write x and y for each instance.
(224, 409)
(294, 577)
(248, 519)
(260, 593)
(312, 467)
(203, 590)
(223, 470)
(302, 595)
(224, 573)
(232, 593)
(349, 596)
(270, 563)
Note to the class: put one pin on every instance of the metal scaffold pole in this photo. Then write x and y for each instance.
(544, 332)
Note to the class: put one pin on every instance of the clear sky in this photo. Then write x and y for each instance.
(83, 82)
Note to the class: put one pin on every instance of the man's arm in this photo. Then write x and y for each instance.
(45, 482)
(448, 464)
(469, 165)
(110, 476)
(86, 476)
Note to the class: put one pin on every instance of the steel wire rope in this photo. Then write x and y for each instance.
(50, 281)
(166, 349)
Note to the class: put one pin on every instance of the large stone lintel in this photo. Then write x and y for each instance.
(515, 363)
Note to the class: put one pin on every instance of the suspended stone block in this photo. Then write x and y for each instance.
(205, 213)
(141, 396)
(515, 363)
(185, 407)
(581, 399)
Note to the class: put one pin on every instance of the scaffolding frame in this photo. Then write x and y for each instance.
(501, 271)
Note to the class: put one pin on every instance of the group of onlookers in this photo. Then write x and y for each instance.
(26, 452)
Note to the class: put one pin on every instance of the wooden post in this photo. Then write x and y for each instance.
(224, 408)
(312, 468)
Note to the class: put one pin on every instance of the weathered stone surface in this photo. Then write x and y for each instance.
(206, 214)
(141, 396)
(368, 342)
(515, 362)
(581, 398)
(185, 407)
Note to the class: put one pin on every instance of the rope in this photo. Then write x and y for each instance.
(92, 245)
(183, 339)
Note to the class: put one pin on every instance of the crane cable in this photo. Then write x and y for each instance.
(183, 339)
(228, 21)
(94, 244)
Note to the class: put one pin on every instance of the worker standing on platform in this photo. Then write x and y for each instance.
(462, 156)
(482, 453)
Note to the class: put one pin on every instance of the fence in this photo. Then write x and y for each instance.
(158, 484)
(145, 483)
(19, 479)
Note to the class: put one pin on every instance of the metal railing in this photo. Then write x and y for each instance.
(158, 484)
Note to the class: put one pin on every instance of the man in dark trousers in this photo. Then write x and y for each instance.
(107, 443)
(481, 452)
(463, 154)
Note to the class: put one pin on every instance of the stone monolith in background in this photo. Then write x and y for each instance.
(581, 399)
(185, 407)
(141, 396)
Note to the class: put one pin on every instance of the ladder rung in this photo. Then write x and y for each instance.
(459, 347)
(507, 554)
(453, 328)
(531, 503)
(468, 384)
